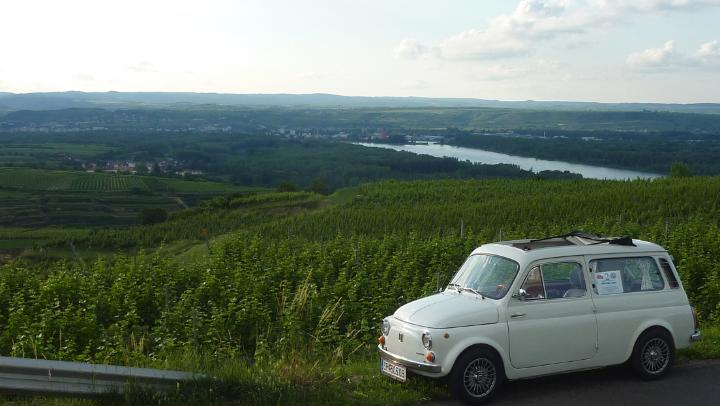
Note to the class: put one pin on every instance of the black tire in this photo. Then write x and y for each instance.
(476, 376)
(653, 354)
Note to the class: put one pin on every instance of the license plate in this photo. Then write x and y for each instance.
(393, 370)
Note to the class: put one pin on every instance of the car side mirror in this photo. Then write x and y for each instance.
(521, 294)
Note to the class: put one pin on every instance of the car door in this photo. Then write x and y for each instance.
(627, 292)
(553, 320)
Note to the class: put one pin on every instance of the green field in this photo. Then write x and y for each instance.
(51, 153)
(74, 181)
(288, 305)
(80, 149)
(40, 198)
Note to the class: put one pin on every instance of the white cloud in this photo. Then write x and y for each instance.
(668, 57)
(644, 6)
(708, 54)
(411, 49)
(663, 57)
(482, 44)
(516, 33)
(534, 22)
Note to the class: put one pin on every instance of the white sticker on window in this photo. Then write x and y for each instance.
(608, 282)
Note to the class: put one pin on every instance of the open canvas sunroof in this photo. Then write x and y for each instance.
(574, 238)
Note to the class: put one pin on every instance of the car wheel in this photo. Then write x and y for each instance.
(476, 376)
(653, 354)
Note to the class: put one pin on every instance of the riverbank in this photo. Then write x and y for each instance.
(533, 164)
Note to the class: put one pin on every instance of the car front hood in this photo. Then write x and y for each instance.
(449, 309)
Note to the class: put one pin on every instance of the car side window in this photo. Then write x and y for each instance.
(555, 280)
(626, 275)
(563, 280)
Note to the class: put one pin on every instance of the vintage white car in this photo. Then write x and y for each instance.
(526, 308)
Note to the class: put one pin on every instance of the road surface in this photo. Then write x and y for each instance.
(693, 383)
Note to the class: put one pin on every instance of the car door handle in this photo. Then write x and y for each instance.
(516, 315)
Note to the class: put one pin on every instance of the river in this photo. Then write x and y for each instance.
(536, 165)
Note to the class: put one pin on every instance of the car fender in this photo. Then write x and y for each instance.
(646, 324)
(494, 336)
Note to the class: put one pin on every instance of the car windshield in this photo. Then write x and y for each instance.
(490, 275)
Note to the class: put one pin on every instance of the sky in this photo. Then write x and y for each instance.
(578, 50)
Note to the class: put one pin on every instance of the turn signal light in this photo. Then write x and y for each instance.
(381, 340)
(430, 356)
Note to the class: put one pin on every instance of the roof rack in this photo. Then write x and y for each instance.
(573, 238)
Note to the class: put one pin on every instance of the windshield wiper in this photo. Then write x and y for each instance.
(454, 285)
(462, 288)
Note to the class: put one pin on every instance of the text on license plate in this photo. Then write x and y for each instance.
(393, 370)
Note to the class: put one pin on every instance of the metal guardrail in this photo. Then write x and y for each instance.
(80, 378)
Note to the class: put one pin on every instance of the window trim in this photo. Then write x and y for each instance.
(515, 278)
(672, 281)
(542, 282)
(539, 265)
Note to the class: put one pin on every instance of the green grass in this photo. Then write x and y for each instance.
(191, 187)
(707, 348)
(284, 381)
(80, 150)
(27, 179)
(302, 380)
(38, 198)
(51, 154)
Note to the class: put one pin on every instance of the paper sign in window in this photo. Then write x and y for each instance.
(608, 282)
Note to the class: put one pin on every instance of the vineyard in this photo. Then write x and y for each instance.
(35, 198)
(315, 283)
(46, 180)
(318, 281)
(111, 183)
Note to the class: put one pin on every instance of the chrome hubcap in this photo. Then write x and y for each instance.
(479, 377)
(655, 355)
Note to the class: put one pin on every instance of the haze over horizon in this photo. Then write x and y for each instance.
(662, 51)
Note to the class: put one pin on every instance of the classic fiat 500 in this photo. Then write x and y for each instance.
(525, 308)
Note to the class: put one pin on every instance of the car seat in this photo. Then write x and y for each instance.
(577, 282)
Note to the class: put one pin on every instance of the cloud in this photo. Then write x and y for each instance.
(411, 49)
(515, 34)
(663, 57)
(534, 22)
(669, 58)
(708, 54)
(645, 6)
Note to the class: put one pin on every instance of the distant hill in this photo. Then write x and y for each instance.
(113, 100)
(254, 119)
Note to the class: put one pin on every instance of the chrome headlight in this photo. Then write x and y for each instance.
(386, 327)
(427, 340)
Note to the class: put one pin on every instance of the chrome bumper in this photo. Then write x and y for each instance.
(695, 336)
(409, 364)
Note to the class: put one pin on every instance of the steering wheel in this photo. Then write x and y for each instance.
(500, 289)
